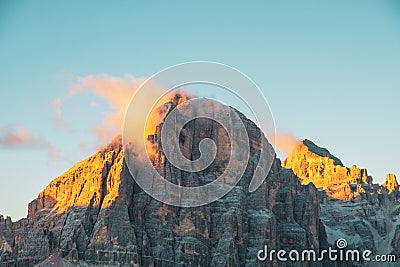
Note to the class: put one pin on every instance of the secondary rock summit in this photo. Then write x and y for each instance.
(313, 164)
(367, 215)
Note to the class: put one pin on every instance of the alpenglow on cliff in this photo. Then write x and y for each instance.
(96, 214)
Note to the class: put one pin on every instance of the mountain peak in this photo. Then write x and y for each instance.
(391, 183)
(313, 164)
(114, 144)
(86, 184)
(96, 212)
(320, 151)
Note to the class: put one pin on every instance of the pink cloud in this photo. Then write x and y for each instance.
(18, 137)
(15, 136)
(286, 142)
(57, 103)
(116, 91)
(93, 104)
(54, 153)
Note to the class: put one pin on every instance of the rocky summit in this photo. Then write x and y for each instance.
(366, 214)
(316, 165)
(95, 214)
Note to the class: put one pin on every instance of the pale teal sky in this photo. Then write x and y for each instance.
(329, 69)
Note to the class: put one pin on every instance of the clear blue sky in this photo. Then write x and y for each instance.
(329, 69)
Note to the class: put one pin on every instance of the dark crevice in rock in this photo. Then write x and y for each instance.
(62, 228)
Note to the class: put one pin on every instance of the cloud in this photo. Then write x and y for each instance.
(54, 153)
(286, 142)
(93, 104)
(15, 136)
(116, 91)
(18, 137)
(57, 103)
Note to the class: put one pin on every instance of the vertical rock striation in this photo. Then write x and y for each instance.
(96, 214)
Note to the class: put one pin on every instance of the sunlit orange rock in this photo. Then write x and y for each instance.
(92, 182)
(391, 183)
(313, 164)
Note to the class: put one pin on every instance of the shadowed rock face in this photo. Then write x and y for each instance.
(95, 213)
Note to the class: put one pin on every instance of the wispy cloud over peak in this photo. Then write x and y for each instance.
(116, 92)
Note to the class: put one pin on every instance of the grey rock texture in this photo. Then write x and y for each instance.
(95, 214)
(367, 215)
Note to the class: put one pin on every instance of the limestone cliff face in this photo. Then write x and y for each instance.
(88, 183)
(316, 165)
(367, 215)
(69, 215)
(96, 214)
